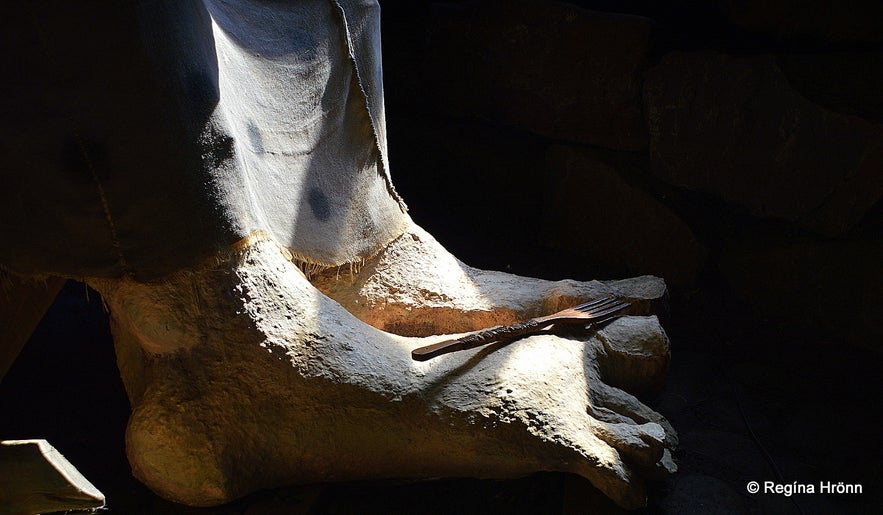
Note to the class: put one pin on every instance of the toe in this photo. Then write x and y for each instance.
(636, 353)
(628, 407)
(640, 444)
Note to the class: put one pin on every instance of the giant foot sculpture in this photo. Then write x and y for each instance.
(215, 119)
(243, 376)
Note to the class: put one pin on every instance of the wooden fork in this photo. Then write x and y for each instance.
(596, 311)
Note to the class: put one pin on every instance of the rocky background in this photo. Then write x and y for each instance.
(738, 143)
(734, 148)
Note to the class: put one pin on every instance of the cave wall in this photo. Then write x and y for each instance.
(733, 146)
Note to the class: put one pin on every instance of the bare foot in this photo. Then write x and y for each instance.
(243, 376)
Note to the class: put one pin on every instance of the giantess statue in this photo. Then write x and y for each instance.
(198, 163)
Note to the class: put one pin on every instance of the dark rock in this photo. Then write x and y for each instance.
(591, 209)
(581, 497)
(819, 20)
(836, 286)
(698, 493)
(849, 82)
(472, 187)
(735, 128)
(548, 67)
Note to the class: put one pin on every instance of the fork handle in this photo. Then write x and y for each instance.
(480, 338)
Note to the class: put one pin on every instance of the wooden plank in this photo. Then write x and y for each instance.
(36, 478)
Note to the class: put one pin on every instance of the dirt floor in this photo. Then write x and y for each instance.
(752, 401)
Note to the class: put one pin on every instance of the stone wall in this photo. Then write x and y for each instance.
(730, 145)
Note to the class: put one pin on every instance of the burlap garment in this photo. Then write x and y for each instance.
(140, 139)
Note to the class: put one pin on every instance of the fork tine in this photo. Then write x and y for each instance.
(595, 304)
(609, 310)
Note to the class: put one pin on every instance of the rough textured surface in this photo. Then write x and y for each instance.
(493, 60)
(735, 128)
(591, 207)
(414, 287)
(722, 357)
(271, 383)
